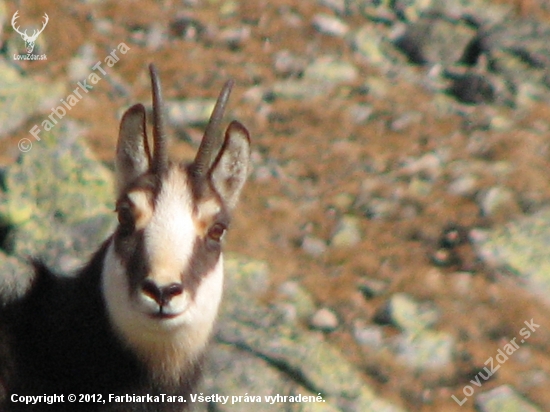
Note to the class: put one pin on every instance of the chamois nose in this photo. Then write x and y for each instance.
(163, 294)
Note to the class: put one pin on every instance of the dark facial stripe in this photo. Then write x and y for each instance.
(131, 248)
(204, 258)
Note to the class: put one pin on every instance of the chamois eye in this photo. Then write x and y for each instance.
(125, 216)
(216, 232)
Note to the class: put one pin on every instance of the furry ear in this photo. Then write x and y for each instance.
(133, 157)
(230, 170)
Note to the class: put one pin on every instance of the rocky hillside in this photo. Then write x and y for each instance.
(389, 252)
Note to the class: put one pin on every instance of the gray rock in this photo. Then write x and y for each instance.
(324, 319)
(425, 350)
(331, 25)
(314, 246)
(348, 233)
(521, 248)
(289, 64)
(465, 186)
(471, 88)
(428, 166)
(405, 120)
(409, 315)
(499, 202)
(330, 69)
(235, 37)
(156, 36)
(504, 398)
(360, 113)
(370, 43)
(433, 39)
(371, 336)
(417, 347)
(381, 208)
(103, 26)
(371, 288)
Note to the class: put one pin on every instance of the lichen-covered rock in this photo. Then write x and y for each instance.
(347, 233)
(522, 248)
(371, 45)
(21, 97)
(435, 40)
(424, 350)
(409, 315)
(57, 200)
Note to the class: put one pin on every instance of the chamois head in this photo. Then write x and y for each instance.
(163, 275)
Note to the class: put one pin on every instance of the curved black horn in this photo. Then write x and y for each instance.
(160, 156)
(211, 141)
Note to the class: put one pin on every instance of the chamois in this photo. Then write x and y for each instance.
(136, 319)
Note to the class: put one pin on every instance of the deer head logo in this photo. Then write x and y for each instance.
(29, 40)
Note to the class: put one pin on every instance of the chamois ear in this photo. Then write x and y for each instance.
(133, 157)
(230, 169)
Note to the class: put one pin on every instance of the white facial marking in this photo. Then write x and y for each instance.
(171, 233)
(208, 209)
(143, 207)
